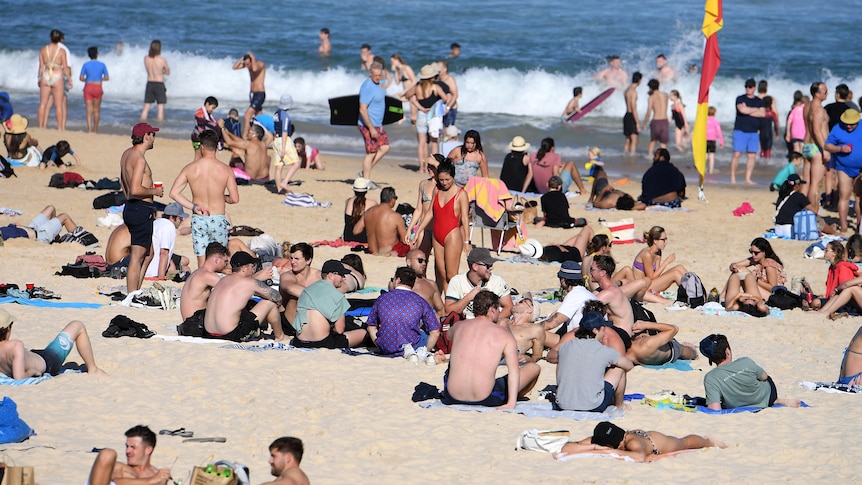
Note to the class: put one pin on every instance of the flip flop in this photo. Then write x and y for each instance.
(178, 432)
(213, 439)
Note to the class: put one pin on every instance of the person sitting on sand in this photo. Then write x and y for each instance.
(426, 288)
(197, 288)
(765, 264)
(662, 183)
(320, 321)
(55, 153)
(285, 455)
(19, 363)
(555, 206)
(652, 262)
(385, 227)
(301, 274)
(140, 443)
(654, 344)
(355, 281)
(20, 146)
(619, 306)
(253, 148)
(227, 316)
(736, 383)
(401, 317)
(590, 375)
(529, 335)
(639, 445)
(477, 346)
(567, 316)
(464, 287)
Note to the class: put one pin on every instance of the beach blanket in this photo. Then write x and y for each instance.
(832, 387)
(338, 243)
(680, 365)
(713, 308)
(303, 200)
(679, 406)
(49, 303)
(191, 340)
(13, 429)
(260, 346)
(8, 381)
(359, 312)
(367, 351)
(532, 410)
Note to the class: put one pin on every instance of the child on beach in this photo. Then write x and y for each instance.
(204, 120)
(596, 166)
(308, 155)
(55, 153)
(679, 120)
(794, 163)
(713, 134)
(231, 123)
(768, 128)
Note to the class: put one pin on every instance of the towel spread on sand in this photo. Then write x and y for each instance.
(8, 381)
(51, 304)
(259, 347)
(680, 365)
(832, 387)
(713, 308)
(666, 404)
(532, 410)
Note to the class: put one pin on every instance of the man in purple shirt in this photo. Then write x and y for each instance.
(402, 316)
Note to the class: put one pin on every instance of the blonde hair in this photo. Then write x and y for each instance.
(594, 151)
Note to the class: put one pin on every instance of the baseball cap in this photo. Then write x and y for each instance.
(175, 209)
(571, 270)
(334, 266)
(242, 258)
(708, 345)
(5, 319)
(795, 179)
(142, 129)
(594, 320)
(481, 255)
(607, 434)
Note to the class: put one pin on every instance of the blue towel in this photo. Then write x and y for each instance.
(49, 303)
(680, 365)
(8, 381)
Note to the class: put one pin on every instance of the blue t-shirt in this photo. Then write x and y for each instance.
(849, 163)
(375, 97)
(747, 123)
(94, 71)
(281, 123)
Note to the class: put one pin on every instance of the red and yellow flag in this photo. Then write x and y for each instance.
(713, 21)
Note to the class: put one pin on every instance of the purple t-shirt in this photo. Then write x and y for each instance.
(399, 315)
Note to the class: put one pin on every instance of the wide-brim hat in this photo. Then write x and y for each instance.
(429, 71)
(850, 117)
(531, 249)
(17, 125)
(518, 144)
(286, 102)
(361, 184)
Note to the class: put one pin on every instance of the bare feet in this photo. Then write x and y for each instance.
(791, 403)
(715, 442)
(439, 357)
(97, 372)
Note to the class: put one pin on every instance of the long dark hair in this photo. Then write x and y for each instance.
(763, 245)
(358, 207)
(354, 261)
(303, 156)
(547, 145)
(475, 136)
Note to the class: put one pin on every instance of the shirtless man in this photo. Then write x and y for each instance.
(657, 106)
(157, 69)
(658, 349)
(452, 100)
(366, 57)
(320, 321)
(19, 363)
(257, 92)
(613, 75)
(477, 346)
(119, 245)
(641, 446)
(209, 179)
(385, 227)
(528, 334)
(816, 132)
(140, 442)
(227, 316)
(619, 307)
(254, 148)
(325, 47)
(631, 121)
(664, 72)
(300, 275)
(417, 260)
(136, 179)
(197, 288)
(285, 454)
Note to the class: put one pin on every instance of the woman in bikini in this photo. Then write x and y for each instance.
(648, 263)
(679, 120)
(427, 99)
(402, 75)
(851, 364)
(53, 66)
(765, 264)
(449, 209)
(354, 212)
(469, 159)
(743, 295)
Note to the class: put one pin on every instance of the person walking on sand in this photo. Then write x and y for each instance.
(157, 68)
(209, 179)
(93, 74)
(136, 179)
(657, 106)
(257, 92)
(631, 122)
(749, 110)
(372, 104)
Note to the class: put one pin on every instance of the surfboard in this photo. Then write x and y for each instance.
(591, 105)
(344, 111)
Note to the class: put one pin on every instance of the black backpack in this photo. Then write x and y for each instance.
(6, 169)
(691, 290)
(783, 299)
(640, 312)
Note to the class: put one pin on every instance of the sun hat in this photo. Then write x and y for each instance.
(429, 71)
(452, 131)
(17, 125)
(286, 102)
(5, 319)
(141, 129)
(518, 144)
(361, 184)
(850, 117)
(531, 249)
(571, 270)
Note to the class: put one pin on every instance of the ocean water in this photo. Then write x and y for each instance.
(519, 62)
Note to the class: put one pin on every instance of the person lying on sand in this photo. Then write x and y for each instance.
(140, 442)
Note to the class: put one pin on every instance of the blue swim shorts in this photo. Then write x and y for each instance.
(207, 229)
(744, 142)
(55, 353)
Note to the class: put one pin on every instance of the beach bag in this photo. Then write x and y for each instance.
(549, 441)
(17, 475)
(105, 183)
(691, 290)
(443, 342)
(65, 179)
(805, 226)
(6, 169)
(13, 429)
(783, 299)
(622, 231)
(110, 199)
(221, 472)
(78, 270)
(641, 312)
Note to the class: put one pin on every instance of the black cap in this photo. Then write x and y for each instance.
(242, 258)
(607, 434)
(334, 266)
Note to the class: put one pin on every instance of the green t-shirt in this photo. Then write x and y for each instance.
(323, 297)
(736, 385)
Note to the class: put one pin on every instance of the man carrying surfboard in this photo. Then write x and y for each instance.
(372, 106)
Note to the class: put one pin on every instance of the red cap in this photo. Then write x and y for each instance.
(142, 129)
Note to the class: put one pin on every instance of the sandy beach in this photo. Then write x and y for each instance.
(354, 414)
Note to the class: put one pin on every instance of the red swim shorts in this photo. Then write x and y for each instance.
(92, 91)
(372, 145)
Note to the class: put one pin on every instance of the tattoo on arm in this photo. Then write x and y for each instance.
(268, 293)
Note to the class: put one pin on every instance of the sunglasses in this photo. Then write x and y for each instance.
(489, 266)
(421, 260)
(754, 252)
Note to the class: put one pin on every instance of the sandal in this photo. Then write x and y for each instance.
(178, 432)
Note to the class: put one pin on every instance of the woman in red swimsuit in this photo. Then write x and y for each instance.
(449, 208)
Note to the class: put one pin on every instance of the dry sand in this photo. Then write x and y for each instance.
(354, 414)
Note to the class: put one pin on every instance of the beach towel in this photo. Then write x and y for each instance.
(491, 195)
(677, 405)
(10, 212)
(680, 365)
(303, 200)
(49, 304)
(623, 231)
(713, 308)
(532, 410)
(338, 243)
(8, 381)
(13, 429)
(831, 387)
(260, 347)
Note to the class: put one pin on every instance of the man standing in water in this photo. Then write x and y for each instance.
(657, 106)
(257, 93)
(138, 215)
(631, 124)
(157, 69)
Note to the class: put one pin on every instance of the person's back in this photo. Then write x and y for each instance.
(119, 244)
(581, 373)
(208, 178)
(382, 224)
(736, 384)
(196, 291)
(227, 299)
(476, 351)
(156, 67)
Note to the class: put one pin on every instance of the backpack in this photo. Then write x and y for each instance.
(92, 260)
(6, 169)
(78, 270)
(691, 290)
(640, 312)
(65, 179)
(110, 199)
(443, 343)
(805, 226)
(783, 299)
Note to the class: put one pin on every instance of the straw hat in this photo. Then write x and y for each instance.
(360, 184)
(429, 71)
(17, 124)
(850, 117)
(518, 144)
